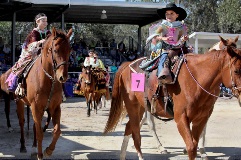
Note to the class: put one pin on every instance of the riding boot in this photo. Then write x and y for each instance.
(165, 76)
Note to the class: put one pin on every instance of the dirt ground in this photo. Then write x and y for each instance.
(82, 136)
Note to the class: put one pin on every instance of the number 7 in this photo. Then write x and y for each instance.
(138, 82)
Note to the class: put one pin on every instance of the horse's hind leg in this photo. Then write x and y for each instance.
(151, 124)
(133, 127)
(20, 113)
(56, 132)
(7, 110)
(125, 141)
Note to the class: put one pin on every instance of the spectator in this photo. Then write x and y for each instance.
(98, 48)
(7, 49)
(113, 48)
(92, 44)
(1, 43)
(121, 49)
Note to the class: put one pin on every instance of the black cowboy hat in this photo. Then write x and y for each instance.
(171, 6)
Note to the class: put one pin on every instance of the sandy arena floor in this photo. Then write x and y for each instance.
(82, 136)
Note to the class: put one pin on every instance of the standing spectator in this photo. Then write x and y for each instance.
(1, 43)
(121, 49)
(98, 48)
(113, 48)
(105, 47)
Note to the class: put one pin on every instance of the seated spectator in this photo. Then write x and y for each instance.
(7, 49)
(131, 57)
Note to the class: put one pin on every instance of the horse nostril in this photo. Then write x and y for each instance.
(61, 78)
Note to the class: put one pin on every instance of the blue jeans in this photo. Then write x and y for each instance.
(161, 63)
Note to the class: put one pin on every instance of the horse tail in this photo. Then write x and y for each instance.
(116, 102)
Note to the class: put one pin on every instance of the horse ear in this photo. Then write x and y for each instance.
(223, 40)
(69, 33)
(236, 38)
(231, 51)
(54, 31)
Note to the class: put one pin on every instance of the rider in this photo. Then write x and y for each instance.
(91, 60)
(173, 34)
(30, 49)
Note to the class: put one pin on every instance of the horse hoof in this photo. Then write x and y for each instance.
(34, 153)
(10, 129)
(23, 150)
(184, 151)
(39, 158)
(164, 152)
(45, 128)
(46, 155)
(202, 151)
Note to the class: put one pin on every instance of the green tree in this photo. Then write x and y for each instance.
(202, 16)
(229, 16)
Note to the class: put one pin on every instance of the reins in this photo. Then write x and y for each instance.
(233, 84)
(52, 78)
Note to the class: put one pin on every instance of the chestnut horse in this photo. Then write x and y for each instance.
(44, 88)
(91, 88)
(193, 95)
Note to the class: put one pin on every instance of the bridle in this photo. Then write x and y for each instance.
(234, 86)
(55, 67)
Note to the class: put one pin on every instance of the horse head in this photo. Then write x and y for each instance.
(234, 64)
(86, 74)
(222, 44)
(56, 51)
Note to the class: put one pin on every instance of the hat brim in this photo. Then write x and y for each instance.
(182, 13)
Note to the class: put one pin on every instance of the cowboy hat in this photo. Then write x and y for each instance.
(171, 6)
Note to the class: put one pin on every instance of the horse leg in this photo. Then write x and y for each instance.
(47, 122)
(125, 142)
(20, 113)
(88, 100)
(37, 117)
(7, 110)
(56, 132)
(184, 129)
(134, 127)
(201, 144)
(151, 124)
(34, 146)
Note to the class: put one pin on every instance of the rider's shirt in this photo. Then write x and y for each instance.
(175, 29)
(30, 45)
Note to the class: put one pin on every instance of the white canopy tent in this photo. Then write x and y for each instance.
(207, 39)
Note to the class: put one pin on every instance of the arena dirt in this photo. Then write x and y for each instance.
(82, 137)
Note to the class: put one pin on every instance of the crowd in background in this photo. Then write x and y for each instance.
(116, 52)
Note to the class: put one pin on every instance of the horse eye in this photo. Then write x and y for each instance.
(237, 71)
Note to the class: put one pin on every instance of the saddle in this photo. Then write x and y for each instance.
(154, 87)
(21, 90)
